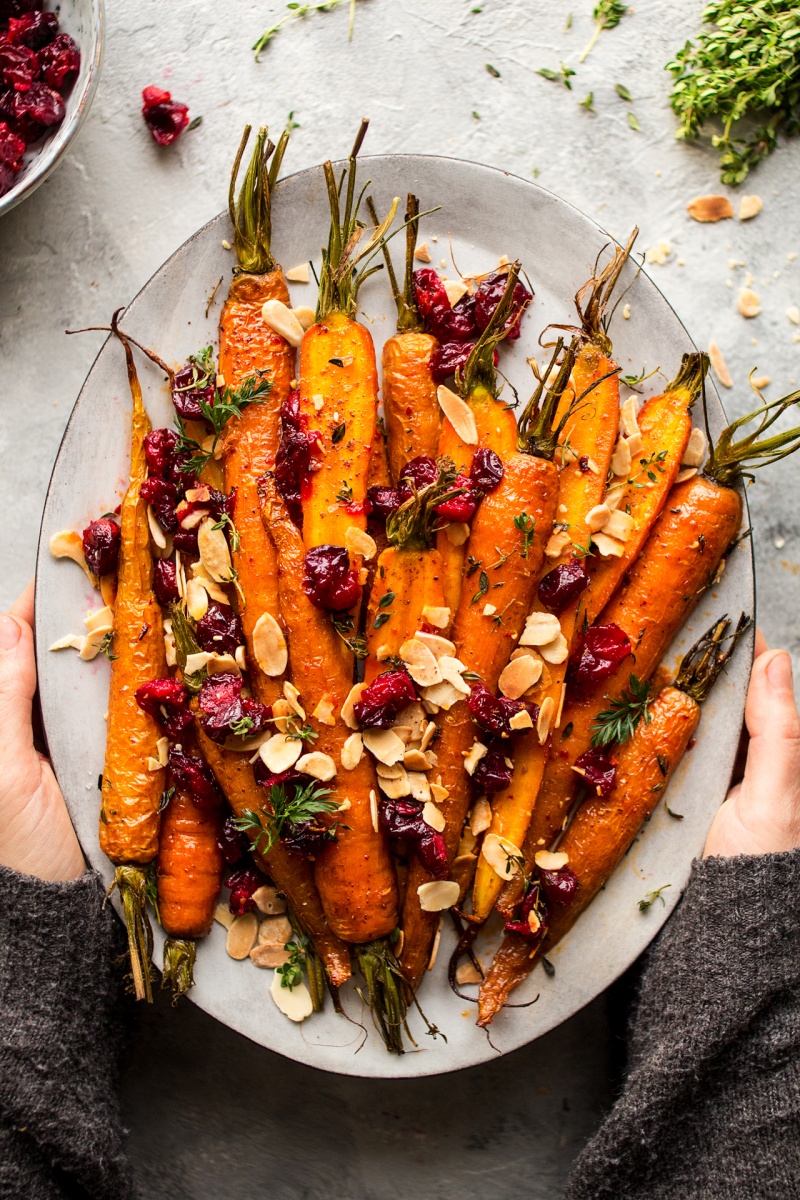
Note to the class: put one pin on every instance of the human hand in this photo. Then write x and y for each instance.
(761, 815)
(36, 834)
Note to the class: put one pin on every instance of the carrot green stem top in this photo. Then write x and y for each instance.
(408, 317)
(538, 431)
(413, 524)
(691, 375)
(702, 664)
(251, 217)
(730, 461)
(178, 973)
(592, 299)
(479, 369)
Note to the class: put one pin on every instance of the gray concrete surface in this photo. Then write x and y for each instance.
(211, 1115)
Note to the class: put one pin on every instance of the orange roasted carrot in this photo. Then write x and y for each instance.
(603, 828)
(131, 794)
(248, 347)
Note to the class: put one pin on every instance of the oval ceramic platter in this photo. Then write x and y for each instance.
(484, 214)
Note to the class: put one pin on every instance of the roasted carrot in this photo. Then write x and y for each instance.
(131, 795)
(603, 829)
(248, 347)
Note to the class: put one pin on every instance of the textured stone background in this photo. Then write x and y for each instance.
(210, 1114)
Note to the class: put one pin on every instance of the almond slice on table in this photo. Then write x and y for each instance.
(520, 675)
(749, 207)
(278, 317)
(438, 895)
(268, 954)
(269, 645)
(298, 274)
(70, 641)
(459, 414)
(69, 544)
(456, 290)
(720, 367)
(224, 916)
(318, 765)
(749, 303)
(93, 642)
(275, 930)
(420, 662)
(710, 208)
(500, 853)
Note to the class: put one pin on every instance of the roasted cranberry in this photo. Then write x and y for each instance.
(165, 582)
(459, 508)
(489, 712)
(12, 148)
(185, 540)
(523, 928)
(381, 701)
(219, 629)
(486, 471)
(160, 450)
(223, 709)
(597, 769)
(243, 884)
(432, 852)
(459, 324)
(488, 296)
(328, 579)
(164, 117)
(583, 463)
(101, 541)
(194, 384)
(403, 818)
(383, 501)
(563, 584)
(19, 66)
(431, 297)
(532, 921)
(232, 843)
(257, 716)
(266, 779)
(167, 701)
(492, 773)
(59, 61)
(602, 649)
(308, 838)
(297, 457)
(33, 29)
(560, 886)
(37, 110)
(203, 500)
(449, 357)
(163, 499)
(192, 775)
(418, 473)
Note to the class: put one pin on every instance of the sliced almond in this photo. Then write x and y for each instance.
(619, 525)
(293, 699)
(476, 752)
(419, 786)
(170, 649)
(395, 771)
(793, 313)
(556, 544)
(719, 365)
(459, 414)
(749, 303)
(436, 941)
(156, 532)
(710, 208)
(373, 809)
(405, 733)
(153, 764)
(489, 610)
(467, 842)
(443, 695)
(69, 544)
(318, 765)
(420, 662)
(759, 382)
(280, 711)
(438, 895)
(597, 517)
(437, 616)
(521, 720)
(358, 541)
(439, 793)
(547, 860)
(556, 651)
(352, 752)
(686, 473)
(269, 901)
(540, 629)
(240, 658)
(325, 712)
(629, 416)
(452, 670)
(658, 253)
(413, 716)
(500, 853)
(278, 317)
(621, 459)
(269, 646)
(318, 401)
(214, 590)
(749, 207)
(560, 708)
(609, 547)
(214, 553)
(458, 533)
(385, 745)
(520, 674)
(545, 719)
(93, 642)
(695, 450)
(280, 752)
(614, 497)
(480, 816)
(440, 647)
(162, 751)
(242, 935)
(276, 930)
(415, 760)
(348, 711)
(422, 253)
(71, 641)
(428, 735)
(101, 618)
(224, 916)
(456, 290)
(433, 816)
(269, 955)
(468, 973)
(295, 1002)
(196, 599)
(298, 274)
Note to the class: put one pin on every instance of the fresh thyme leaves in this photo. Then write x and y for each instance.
(233, 533)
(677, 816)
(618, 722)
(493, 70)
(651, 897)
(483, 587)
(588, 103)
(549, 969)
(355, 642)
(338, 433)
(742, 71)
(663, 764)
(473, 565)
(633, 122)
(291, 804)
(525, 525)
(291, 124)
(166, 796)
(386, 599)
(471, 677)
(229, 403)
(302, 10)
(380, 620)
(242, 727)
(300, 733)
(607, 14)
(291, 972)
(564, 75)
(632, 381)
(567, 731)
(106, 644)
(623, 92)
(345, 494)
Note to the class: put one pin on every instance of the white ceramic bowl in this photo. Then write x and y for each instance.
(83, 20)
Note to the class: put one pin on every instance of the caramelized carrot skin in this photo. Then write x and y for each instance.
(350, 395)
(189, 867)
(246, 344)
(414, 579)
(601, 833)
(411, 410)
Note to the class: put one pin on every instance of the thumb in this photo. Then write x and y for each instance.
(17, 686)
(773, 757)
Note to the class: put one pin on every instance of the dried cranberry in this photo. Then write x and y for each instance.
(223, 709)
(488, 296)
(602, 649)
(256, 714)
(383, 501)
(185, 540)
(459, 508)
(60, 60)
(165, 582)
(13, 8)
(449, 357)
(432, 852)
(164, 117)
(191, 774)
(203, 500)
(101, 540)
(597, 769)
(381, 701)
(489, 712)
(167, 701)
(583, 463)
(418, 473)
(8, 177)
(219, 629)
(308, 838)
(492, 773)
(12, 148)
(430, 295)
(328, 579)
(243, 884)
(266, 779)
(403, 818)
(19, 66)
(160, 450)
(533, 903)
(32, 29)
(525, 931)
(163, 499)
(191, 386)
(560, 886)
(563, 584)
(459, 324)
(38, 109)
(487, 470)
(297, 457)
(232, 843)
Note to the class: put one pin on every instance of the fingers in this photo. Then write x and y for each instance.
(761, 644)
(771, 788)
(17, 685)
(23, 607)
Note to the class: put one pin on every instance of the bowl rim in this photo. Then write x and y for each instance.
(77, 112)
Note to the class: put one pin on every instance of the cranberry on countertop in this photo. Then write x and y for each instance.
(563, 584)
(328, 579)
(601, 650)
(219, 630)
(167, 702)
(101, 542)
(164, 117)
(381, 701)
(191, 774)
(165, 582)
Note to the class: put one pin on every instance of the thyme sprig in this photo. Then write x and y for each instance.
(227, 404)
(607, 14)
(618, 722)
(651, 897)
(302, 10)
(290, 804)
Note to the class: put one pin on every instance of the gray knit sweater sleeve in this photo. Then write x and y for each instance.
(60, 1132)
(711, 1104)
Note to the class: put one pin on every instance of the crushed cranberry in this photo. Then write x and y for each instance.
(563, 584)
(163, 499)
(101, 541)
(328, 579)
(233, 844)
(459, 508)
(219, 630)
(185, 540)
(418, 473)
(487, 470)
(297, 457)
(165, 582)
(598, 770)
(560, 886)
(60, 61)
(192, 385)
(382, 501)
(38, 109)
(381, 701)
(492, 773)
(19, 66)
(602, 649)
(223, 708)
(403, 818)
(33, 29)
(243, 884)
(488, 296)
(12, 148)
(191, 774)
(493, 713)
(167, 701)
(164, 117)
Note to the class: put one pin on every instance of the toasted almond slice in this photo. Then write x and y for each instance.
(468, 973)
(269, 645)
(565, 455)
(458, 533)
(420, 788)
(71, 641)
(269, 954)
(437, 616)
(749, 207)
(438, 895)
(456, 290)
(710, 208)
(428, 735)
(439, 793)
(500, 853)
(240, 658)
(489, 610)
(467, 842)
(269, 901)
(242, 934)
(69, 544)
(305, 315)
(635, 445)
(281, 709)
(413, 716)
(695, 448)
(101, 618)
(540, 629)
(619, 525)
(621, 459)
(156, 532)
(597, 517)
(433, 816)
(793, 313)
(435, 948)
(459, 414)
(560, 708)
(614, 497)
(452, 669)
(294, 1002)
(440, 647)
(324, 712)
(275, 931)
(196, 599)
(443, 695)
(556, 651)
(357, 541)
(629, 416)
(224, 916)
(278, 317)
(547, 860)
(348, 712)
(557, 544)
(521, 720)
(609, 547)
(405, 733)
(214, 553)
(373, 809)
(395, 771)
(520, 674)
(422, 254)
(92, 643)
(480, 816)
(153, 764)
(317, 765)
(686, 473)
(476, 752)
(162, 750)
(420, 662)
(759, 382)
(298, 274)
(720, 366)
(293, 699)
(749, 303)
(352, 751)
(170, 650)
(545, 719)
(415, 760)
(385, 745)
(280, 752)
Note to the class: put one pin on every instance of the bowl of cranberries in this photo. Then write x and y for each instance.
(49, 68)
